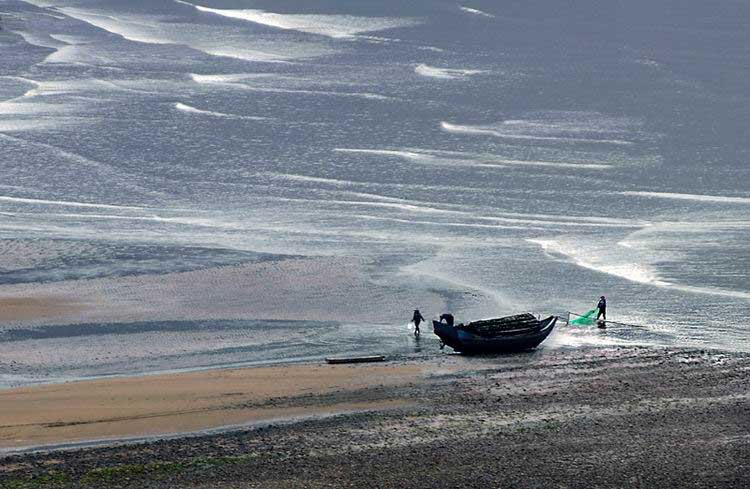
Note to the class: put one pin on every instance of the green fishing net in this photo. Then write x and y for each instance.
(586, 319)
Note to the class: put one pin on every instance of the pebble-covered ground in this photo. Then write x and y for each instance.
(617, 417)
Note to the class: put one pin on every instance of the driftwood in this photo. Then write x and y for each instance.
(372, 358)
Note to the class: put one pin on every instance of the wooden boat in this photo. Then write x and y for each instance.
(508, 334)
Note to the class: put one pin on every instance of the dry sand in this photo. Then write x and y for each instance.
(164, 404)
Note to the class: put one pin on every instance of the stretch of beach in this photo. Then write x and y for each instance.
(158, 405)
(596, 417)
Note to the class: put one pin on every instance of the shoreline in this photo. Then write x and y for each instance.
(172, 371)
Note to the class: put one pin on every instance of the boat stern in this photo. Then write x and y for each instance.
(447, 334)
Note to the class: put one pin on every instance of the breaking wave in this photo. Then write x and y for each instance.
(475, 11)
(470, 213)
(598, 260)
(718, 199)
(408, 155)
(263, 82)
(454, 158)
(509, 133)
(161, 30)
(307, 179)
(65, 203)
(624, 262)
(334, 26)
(449, 224)
(39, 40)
(130, 29)
(71, 40)
(192, 110)
(444, 73)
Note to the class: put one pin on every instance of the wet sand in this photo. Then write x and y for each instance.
(36, 308)
(288, 288)
(610, 417)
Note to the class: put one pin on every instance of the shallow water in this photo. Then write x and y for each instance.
(482, 158)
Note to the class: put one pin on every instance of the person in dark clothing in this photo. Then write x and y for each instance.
(416, 319)
(602, 306)
(448, 318)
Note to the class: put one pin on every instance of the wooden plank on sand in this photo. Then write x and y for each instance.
(373, 358)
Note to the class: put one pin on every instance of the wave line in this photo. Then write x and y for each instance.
(6, 198)
(490, 131)
(719, 199)
(475, 11)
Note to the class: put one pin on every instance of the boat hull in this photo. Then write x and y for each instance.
(466, 342)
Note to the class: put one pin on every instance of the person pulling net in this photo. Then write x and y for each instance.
(592, 316)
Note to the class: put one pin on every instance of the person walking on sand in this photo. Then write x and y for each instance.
(602, 307)
(416, 319)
